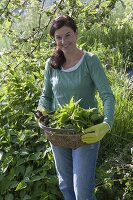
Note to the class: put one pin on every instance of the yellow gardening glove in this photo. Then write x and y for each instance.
(95, 133)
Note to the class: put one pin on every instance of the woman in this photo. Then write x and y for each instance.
(71, 72)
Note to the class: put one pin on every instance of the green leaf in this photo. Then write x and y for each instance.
(9, 197)
(20, 162)
(13, 184)
(34, 156)
(26, 197)
(78, 2)
(36, 178)
(105, 4)
(1, 154)
(26, 179)
(46, 152)
(11, 174)
(6, 163)
(7, 23)
(20, 170)
(21, 186)
(24, 152)
(28, 171)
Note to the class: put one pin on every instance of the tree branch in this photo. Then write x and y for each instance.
(45, 28)
(5, 8)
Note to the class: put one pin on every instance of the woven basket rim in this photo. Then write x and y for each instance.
(46, 128)
(67, 135)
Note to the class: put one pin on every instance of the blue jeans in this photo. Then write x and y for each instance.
(76, 171)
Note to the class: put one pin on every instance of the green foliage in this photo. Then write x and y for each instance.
(72, 116)
(122, 131)
(26, 170)
(122, 87)
(115, 176)
(112, 41)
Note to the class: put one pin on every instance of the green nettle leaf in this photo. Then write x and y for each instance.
(28, 171)
(20, 162)
(7, 23)
(46, 152)
(36, 178)
(11, 174)
(34, 156)
(105, 4)
(26, 197)
(72, 116)
(6, 163)
(20, 170)
(26, 179)
(1, 154)
(13, 184)
(9, 197)
(21, 185)
(24, 152)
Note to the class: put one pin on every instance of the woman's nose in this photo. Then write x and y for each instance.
(63, 40)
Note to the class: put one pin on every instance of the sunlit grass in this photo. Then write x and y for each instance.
(122, 131)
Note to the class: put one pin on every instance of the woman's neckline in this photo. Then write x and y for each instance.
(68, 66)
(75, 66)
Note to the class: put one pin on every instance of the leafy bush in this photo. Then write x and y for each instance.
(115, 176)
(27, 169)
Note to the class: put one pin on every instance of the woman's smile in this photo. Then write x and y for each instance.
(65, 47)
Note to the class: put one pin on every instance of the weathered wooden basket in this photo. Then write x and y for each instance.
(68, 138)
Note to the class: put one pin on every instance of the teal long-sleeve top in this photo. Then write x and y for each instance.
(81, 83)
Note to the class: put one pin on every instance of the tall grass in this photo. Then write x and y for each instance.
(122, 131)
(122, 87)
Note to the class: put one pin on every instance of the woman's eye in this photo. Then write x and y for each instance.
(58, 38)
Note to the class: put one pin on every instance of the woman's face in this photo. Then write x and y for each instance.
(65, 39)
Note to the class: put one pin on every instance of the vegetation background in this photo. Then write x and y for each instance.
(26, 163)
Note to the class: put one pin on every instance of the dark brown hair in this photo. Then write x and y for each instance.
(58, 58)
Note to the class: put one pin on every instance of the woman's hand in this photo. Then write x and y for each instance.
(40, 114)
(95, 133)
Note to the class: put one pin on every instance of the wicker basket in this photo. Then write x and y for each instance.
(63, 137)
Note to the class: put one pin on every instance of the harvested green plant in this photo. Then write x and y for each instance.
(72, 116)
